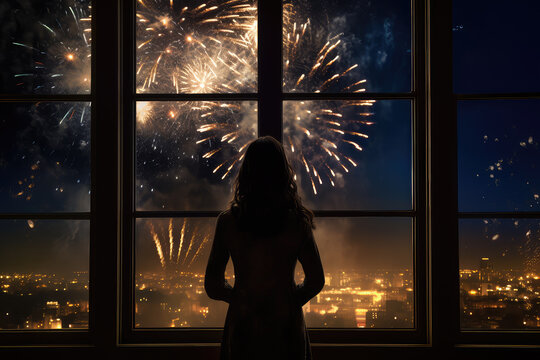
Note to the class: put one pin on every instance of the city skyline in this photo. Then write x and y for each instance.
(186, 154)
(371, 297)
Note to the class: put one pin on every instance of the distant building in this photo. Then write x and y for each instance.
(486, 276)
(486, 270)
(395, 315)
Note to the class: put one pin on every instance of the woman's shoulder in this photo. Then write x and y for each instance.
(226, 217)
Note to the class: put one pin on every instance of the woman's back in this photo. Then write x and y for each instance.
(265, 231)
(265, 318)
(263, 263)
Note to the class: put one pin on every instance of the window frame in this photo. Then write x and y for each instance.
(270, 98)
(485, 336)
(103, 182)
(445, 214)
(437, 242)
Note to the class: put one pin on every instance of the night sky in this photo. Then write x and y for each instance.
(45, 152)
(498, 140)
(495, 46)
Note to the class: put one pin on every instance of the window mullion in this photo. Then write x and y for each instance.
(104, 164)
(127, 106)
(420, 169)
(443, 177)
(270, 73)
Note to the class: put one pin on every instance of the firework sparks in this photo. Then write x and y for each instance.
(189, 246)
(319, 133)
(45, 164)
(208, 48)
(157, 243)
(171, 240)
(62, 61)
(174, 233)
(319, 139)
(182, 233)
(201, 245)
(310, 62)
(216, 133)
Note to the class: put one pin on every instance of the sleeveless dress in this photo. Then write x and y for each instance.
(265, 318)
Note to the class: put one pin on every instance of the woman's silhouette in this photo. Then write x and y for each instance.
(265, 231)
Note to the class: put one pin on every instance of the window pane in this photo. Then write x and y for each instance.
(44, 156)
(500, 273)
(44, 274)
(498, 152)
(354, 46)
(369, 278)
(351, 154)
(368, 266)
(493, 46)
(45, 46)
(188, 153)
(188, 46)
(171, 257)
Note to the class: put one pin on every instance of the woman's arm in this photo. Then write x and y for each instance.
(313, 270)
(215, 284)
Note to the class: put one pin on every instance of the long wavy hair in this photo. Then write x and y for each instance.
(265, 192)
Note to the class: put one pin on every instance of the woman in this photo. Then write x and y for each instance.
(265, 231)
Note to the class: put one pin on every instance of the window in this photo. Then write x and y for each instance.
(46, 102)
(498, 188)
(349, 112)
(97, 134)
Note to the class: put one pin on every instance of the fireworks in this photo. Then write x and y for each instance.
(54, 154)
(210, 49)
(313, 62)
(61, 61)
(212, 133)
(25, 185)
(321, 137)
(62, 57)
(207, 48)
(179, 244)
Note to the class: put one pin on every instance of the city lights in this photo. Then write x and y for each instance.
(350, 299)
(51, 301)
(499, 299)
